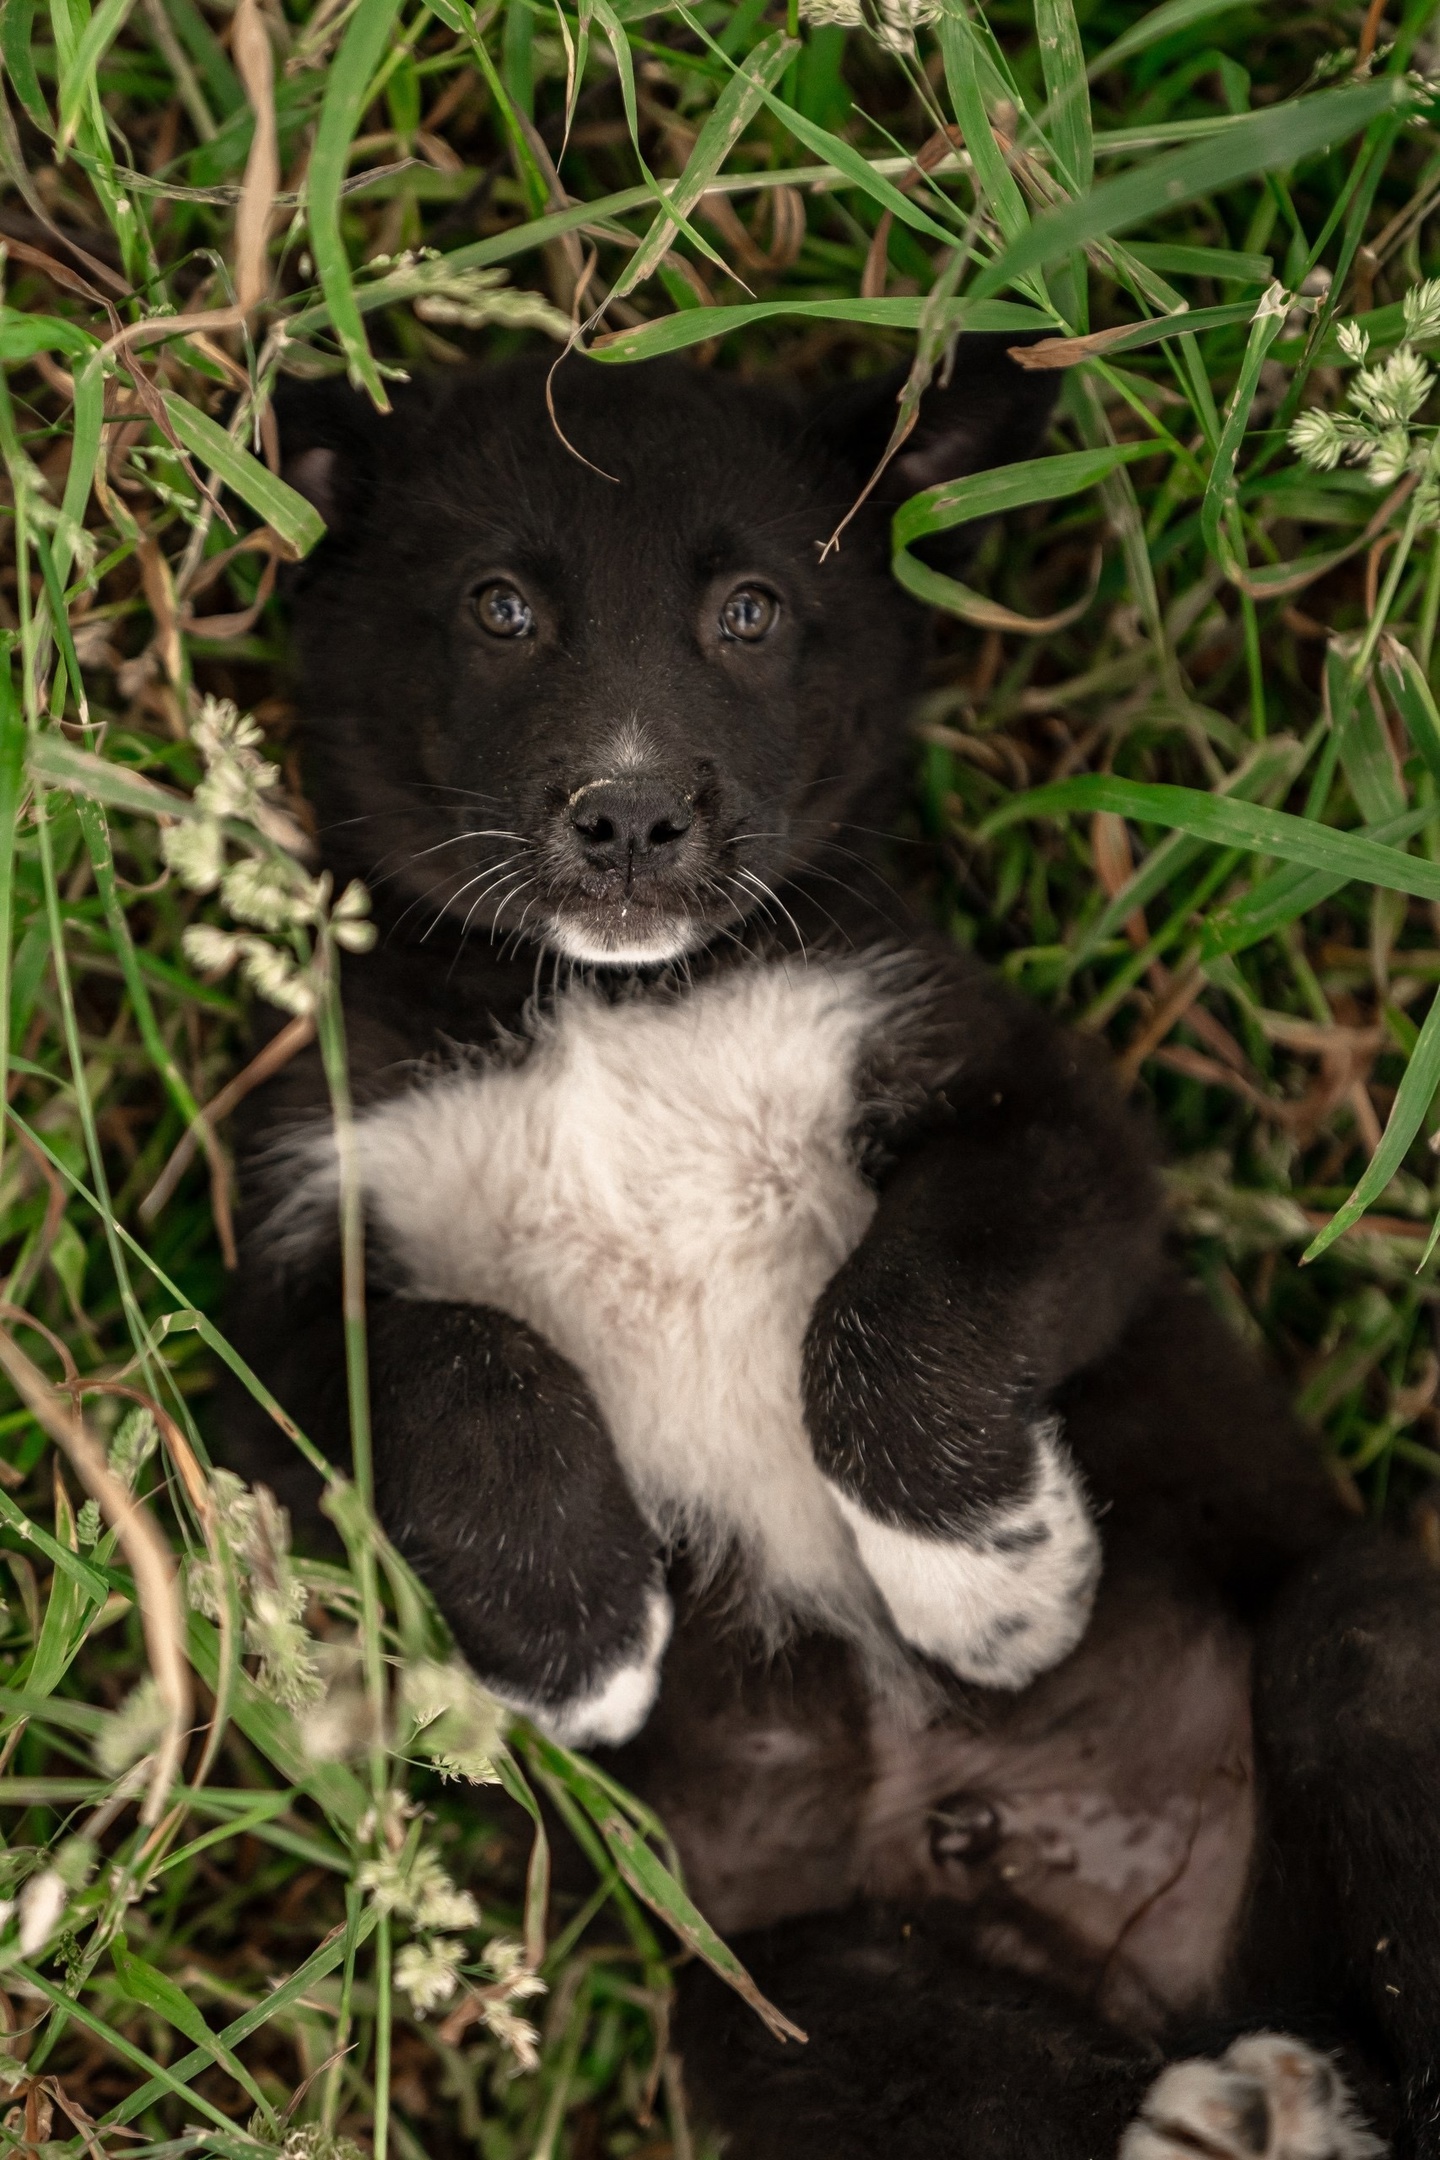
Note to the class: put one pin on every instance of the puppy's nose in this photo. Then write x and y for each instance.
(619, 821)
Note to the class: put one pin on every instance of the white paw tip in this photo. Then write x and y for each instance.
(1003, 1605)
(1268, 2097)
(616, 1707)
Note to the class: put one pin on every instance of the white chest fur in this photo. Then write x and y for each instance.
(661, 1189)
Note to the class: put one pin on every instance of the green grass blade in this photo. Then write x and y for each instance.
(1343, 855)
(1365, 754)
(347, 87)
(100, 34)
(17, 25)
(296, 521)
(1286, 895)
(735, 108)
(1270, 767)
(1261, 142)
(161, 2080)
(1411, 695)
(318, 1966)
(1009, 487)
(1161, 22)
(692, 326)
(1221, 501)
(145, 1984)
(965, 71)
(1067, 111)
(836, 151)
(1416, 1094)
(1227, 264)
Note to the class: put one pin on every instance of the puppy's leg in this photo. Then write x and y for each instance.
(497, 1479)
(1266, 2098)
(916, 2050)
(1347, 1727)
(1009, 1248)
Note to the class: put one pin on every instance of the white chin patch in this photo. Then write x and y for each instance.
(1005, 1604)
(667, 940)
(617, 1706)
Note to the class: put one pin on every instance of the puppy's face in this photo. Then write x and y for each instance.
(593, 684)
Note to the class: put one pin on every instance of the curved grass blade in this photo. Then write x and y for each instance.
(145, 1984)
(1343, 855)
(691, 326)
(1260, 142)
(965, 71)
(650, 1879)
(1161, 22)
(289, 515)
(836, 151)
(115, 2043)
(1286, 895)
(349, 77)
(317, 1966)
(100, 34)
(1416, 1094)
(1413, 699)
(988, 494)
(1219, 509)
(1270, 767)
(735, 108)
(1067, 112)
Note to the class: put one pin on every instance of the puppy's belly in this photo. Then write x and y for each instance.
(1097, 1827)
(661, 1187)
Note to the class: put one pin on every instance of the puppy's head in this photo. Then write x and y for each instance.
(595, 685)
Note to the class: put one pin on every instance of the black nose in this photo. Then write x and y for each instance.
(620, 820)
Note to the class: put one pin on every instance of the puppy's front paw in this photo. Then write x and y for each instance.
(1266, 2098)
(1007, 1599)
(614, 1702)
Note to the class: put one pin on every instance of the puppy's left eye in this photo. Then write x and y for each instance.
(503, 610)
(749, 614)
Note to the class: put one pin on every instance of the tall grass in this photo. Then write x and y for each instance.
(276, 1871)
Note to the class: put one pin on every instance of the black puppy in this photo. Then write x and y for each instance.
(766, 1307)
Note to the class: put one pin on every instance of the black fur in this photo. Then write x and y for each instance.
(1013, 1268)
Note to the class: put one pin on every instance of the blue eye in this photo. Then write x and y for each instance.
(503, 610)
(749, 614)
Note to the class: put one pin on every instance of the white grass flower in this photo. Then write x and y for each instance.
(1393, 392)
(195, 852)
(456, 1724)
(386, 1884)
(235, 774)
(515, 2033)
(134, 1443)
(1389, 458)
(429, 1972)
(1353, 340)
(130, 1732)
(271, 894)
(312, 2141)
(446, 1907)
(900, 19)
(88, 1524)
(276, 976)
(1421, 306)
(42, 1902)
(210, 951)
(1317, 438)
(467, 298)
(822, 14)
(339, 1722)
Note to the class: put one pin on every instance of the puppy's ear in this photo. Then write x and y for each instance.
(991, 412)
(331, 443)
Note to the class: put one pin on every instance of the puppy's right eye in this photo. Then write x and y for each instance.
(502, 609)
